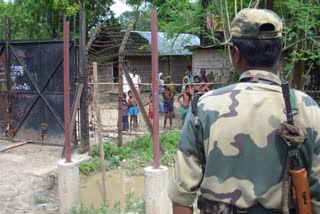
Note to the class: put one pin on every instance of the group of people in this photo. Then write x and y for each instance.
(167, 91)
(129, 104)
(129, 108)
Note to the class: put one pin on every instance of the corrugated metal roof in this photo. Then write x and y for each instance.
(172, 45)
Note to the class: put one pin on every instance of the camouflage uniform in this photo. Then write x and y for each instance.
(245, 157)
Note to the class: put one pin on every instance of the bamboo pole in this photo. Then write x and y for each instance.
(96, 102)
(235, 7)
(120, 83)
(14, 146)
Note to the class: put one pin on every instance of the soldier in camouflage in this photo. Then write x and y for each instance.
(244, 154)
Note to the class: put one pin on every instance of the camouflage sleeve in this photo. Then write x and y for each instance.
(187, 176)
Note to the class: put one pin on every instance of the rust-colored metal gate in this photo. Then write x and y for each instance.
(31, 90)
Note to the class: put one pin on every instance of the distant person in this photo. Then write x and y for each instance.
(133, 111)
(125, 84)
(203, 75)
(185, 82)
(150, 113)
(136, 80)
(168, 107)
(197, 87)
(184, 104)
(125, 113)
(161, 88)
(204, 88)
(189, 74)
(172, 87)
(173, 90)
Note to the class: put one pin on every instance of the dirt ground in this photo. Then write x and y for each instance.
(28, 177)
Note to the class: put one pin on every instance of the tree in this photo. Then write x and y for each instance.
(140, 17)
(43, 19)
(210, 20)
(302, 37)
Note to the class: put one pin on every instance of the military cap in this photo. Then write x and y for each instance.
(256, 24)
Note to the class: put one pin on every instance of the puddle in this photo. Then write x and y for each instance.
(118, 185)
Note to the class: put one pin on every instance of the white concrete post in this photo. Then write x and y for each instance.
(68, 185)
(156, 190)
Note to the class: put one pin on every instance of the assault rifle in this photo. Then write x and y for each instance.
(298, 173)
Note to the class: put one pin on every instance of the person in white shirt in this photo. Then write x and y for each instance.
(136, 80)
(125, 84)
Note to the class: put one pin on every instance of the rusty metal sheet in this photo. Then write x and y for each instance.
(35, 90)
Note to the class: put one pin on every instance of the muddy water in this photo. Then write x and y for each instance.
(118, 185)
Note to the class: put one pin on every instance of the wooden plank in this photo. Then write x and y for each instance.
(76, 107)
(93, 36)
(14, 146)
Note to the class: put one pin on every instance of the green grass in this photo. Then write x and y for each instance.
(138, 153)
(38, 199)
(131, 205)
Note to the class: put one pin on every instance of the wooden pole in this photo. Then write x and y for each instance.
(155, 89)
(120, 85)
(76, 107)
(93, 36)
(66, 91)
(14, 146)
(96, 102)
(84, 116)
(270, 4)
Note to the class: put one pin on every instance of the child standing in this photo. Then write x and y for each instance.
(184, 105)
(150, 113)
(125, 113)
(168, 106)
(133, 111)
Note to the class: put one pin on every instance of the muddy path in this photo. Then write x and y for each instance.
(28, 178)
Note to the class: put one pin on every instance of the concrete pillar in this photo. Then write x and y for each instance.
(69, 185)
(156, 190)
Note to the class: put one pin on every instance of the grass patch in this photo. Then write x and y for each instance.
(39, 199)
(90, 166)
(137, 153)
(131, 205)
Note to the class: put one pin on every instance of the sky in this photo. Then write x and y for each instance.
(118, 8)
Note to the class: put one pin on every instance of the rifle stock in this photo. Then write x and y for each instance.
(299, 176)
(300, 187)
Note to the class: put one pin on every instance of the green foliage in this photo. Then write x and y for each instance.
(69, 7)
(90, 166)
(140, 16)
(302, 30)
(131, 205)
(43, 19)
(103, 209)
(137, 153)
(39, 199)
(134, 206)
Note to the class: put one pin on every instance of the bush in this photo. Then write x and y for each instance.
(138, 152)
(90, 166)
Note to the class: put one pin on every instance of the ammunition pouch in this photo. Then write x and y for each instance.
(213, 207)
